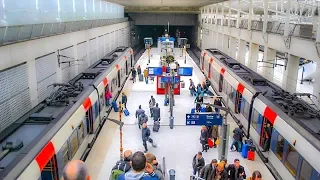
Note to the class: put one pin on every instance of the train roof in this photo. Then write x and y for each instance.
(19, 138)
(296, 108)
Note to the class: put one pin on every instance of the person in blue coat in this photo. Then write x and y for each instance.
(146, 133)
(141, 170)
(124, 100)
(156, 112)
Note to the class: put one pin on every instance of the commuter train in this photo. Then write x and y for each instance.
(66, 124)
(294, 146)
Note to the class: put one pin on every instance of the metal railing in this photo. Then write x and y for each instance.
(20, 33)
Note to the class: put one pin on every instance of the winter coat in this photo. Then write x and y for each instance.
(232, 172)
(156, 113)
(123, 166)
(215, 132)
(139, 112)
(139, 70)
(145, 134)
(140, 176)
(200, 164)
(237, 134)
(206, 171)
(214, 176)
(157, 169)
(204, 136)
(124, 99)
(134, 73)
(145, 73)
(152, 102)
(143, 118)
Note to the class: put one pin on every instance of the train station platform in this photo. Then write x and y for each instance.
(177, 145)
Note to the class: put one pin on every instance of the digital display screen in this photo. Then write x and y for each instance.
(155, 71)
(185, 71)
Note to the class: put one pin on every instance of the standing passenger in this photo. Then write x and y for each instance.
(152, 103)
(146, 75)
(197, 163)
(146, 137)
(204, 138)
(267, 136)
(134, 73)
(156, 112)
(139, 70)
(124, 100)
(199, 101)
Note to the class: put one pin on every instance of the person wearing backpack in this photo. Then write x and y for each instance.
(121, 167)
(237, 138)
(141, 170)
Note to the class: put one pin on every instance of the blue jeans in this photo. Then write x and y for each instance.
(235, 143)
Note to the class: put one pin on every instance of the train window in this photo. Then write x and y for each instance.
(102, 98)
(245, 109)
(81, 132)
(291, 160)
(65, 153)
(306, 171)
(232, 94)
(255, 119)
(96, 111)
(74, 144)
(280, 147)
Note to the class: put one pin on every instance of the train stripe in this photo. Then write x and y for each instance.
(240, 88)
(211, 60)
(45, 155)
(222, 71)
(31, 172)
(105, 81)
(87, 104)
(117, 66)
(270, 115)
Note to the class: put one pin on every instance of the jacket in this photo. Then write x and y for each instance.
(232, 172)
(139, 112)
(139, 70)
(124, 99)
(156, 113)
(143, 118)
(200, 164)
(223, 175)
(141, 176)
(123, 166)
(237, 134)
(215, 132)
(157, 170)
(204, 137)
(152, 102)
(145, 73)
(134, 73)
(206, 171)
(145, 134)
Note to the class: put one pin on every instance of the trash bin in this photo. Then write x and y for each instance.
(171, 122)
(172, 174)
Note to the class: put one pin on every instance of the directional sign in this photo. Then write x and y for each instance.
(169, 79)
(185, 71)
(155, 71)
(203, 119)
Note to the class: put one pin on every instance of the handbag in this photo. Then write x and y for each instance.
(217, 142)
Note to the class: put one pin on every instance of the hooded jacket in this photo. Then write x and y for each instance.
(138, 176)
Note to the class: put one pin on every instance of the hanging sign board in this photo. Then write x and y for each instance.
(185, 71)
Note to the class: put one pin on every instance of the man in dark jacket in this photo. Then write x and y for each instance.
(197, 163)
(124, 100)
(267, 137)
(143, 118)
(146, 137)
(134, 74)
(207, 170)
(236, 171)
(217, 102)
(237, 138)
(125, 164)
(156, 112)
(199, 101)
(140, 169)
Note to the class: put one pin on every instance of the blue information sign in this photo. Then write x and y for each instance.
(164, 39)
(155, 71)
(203, 119)
(185, 71)
(169, 79)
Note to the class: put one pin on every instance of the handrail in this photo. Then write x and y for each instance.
(164, 167)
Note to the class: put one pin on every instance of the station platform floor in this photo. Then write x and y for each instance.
(177, 145)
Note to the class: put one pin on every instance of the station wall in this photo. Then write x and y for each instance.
(164, 18)
(28, 68)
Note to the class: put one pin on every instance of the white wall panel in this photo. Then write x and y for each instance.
(68, 70)
(101, 47)
(82, 54)
(93, 51)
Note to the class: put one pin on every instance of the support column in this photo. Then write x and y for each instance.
(290, 75)
(253, 56)
(268, 57)
(225, 44)
(316, 85)
(233, 47)
(242, 49)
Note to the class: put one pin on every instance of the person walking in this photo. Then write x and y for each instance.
(124, 100)
(204, 138)
(208, 169)
(237, 139)
(156, 113)
(134, 74)
(217, 102)
(152, 103)
(146, 133)
(146, 75)
(197, 163)
(256, 175)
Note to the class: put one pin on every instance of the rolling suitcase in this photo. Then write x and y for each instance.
(126, 112)
(251, 155)
(141, 77)
(115, 106)
(156, 126)
(244, 152)
(210, 143)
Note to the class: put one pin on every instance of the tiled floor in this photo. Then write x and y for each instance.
(177, 145)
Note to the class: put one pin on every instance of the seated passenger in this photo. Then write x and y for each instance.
(141, 170)
(151, 159)
(76, 170)
(122, 166)
(236, 171)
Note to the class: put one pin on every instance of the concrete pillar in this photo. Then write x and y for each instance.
(242, 49)
(268, 57)
(316, 85)
(290, 75)
(287, 21)
(253, 56)
(225, 44)
(233, 47)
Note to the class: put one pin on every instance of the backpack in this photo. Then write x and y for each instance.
(115, 174)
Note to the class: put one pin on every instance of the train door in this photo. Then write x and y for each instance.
(50, 171)
(220, 83)
(127, 68)
(89, 120)
(107, 95)
(238, 102)
(265, 137)
(119, 79)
